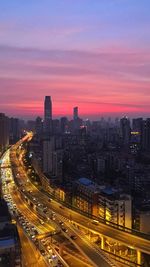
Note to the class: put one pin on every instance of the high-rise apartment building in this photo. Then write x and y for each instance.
(14, 130)
(125, 130)
(58, 164)
(48, 148)
(38, 127)
(52, 157)
(63, 124)
(4, 132)
(137, 125)
(146, 135)
(77, 122)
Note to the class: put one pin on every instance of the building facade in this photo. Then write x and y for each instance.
(4, 132)
(104, 203)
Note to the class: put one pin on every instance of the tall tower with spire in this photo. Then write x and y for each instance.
(48, 116)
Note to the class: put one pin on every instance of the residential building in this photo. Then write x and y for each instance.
(4, 132)
(10, 248)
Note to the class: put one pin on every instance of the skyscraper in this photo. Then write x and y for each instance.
(14, 130)
(47, 116)
(47, 108)
(75, 113)
(125, 130)
(146, 135)
(38, 127)
(77, 122)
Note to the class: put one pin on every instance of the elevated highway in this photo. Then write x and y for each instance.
(135, 240)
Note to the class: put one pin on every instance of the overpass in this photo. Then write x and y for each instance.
(132, 239)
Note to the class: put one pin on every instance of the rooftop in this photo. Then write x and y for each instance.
(85, 181)
(90, 185)
(4, 213)
(7, 243)
(109, 191)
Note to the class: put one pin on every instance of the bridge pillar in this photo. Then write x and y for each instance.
(102, 242)
(139, 257)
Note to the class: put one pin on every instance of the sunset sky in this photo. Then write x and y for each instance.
(94, 54)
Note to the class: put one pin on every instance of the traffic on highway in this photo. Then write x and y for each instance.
(45, 221)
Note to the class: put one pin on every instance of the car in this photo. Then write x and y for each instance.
(61, 207)
(50, 260)
(43, 241)
(21, 217)
(59, 264)
(74, 237)
(64, 229)
(49, 250)
(44, 209)
(43, 252)
(23, 190)
(95, 222)
(54, 256)
(35, 240)
(35, 232)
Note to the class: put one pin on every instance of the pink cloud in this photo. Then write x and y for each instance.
(99, 82)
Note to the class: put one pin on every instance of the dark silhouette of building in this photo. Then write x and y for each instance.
(4, 132)
(14, 130)
(75, 113)
(39, 127)
(125, 131)
(10, 248)
(47, 116)
(146, 135)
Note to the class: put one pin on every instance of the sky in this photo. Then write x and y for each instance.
(94, 54)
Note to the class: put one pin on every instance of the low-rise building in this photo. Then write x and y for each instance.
(115, 207)
(85, 196)
(103, 202)
(10, 248)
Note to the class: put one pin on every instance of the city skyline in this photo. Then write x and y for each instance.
(75, 133)
(94, 56)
